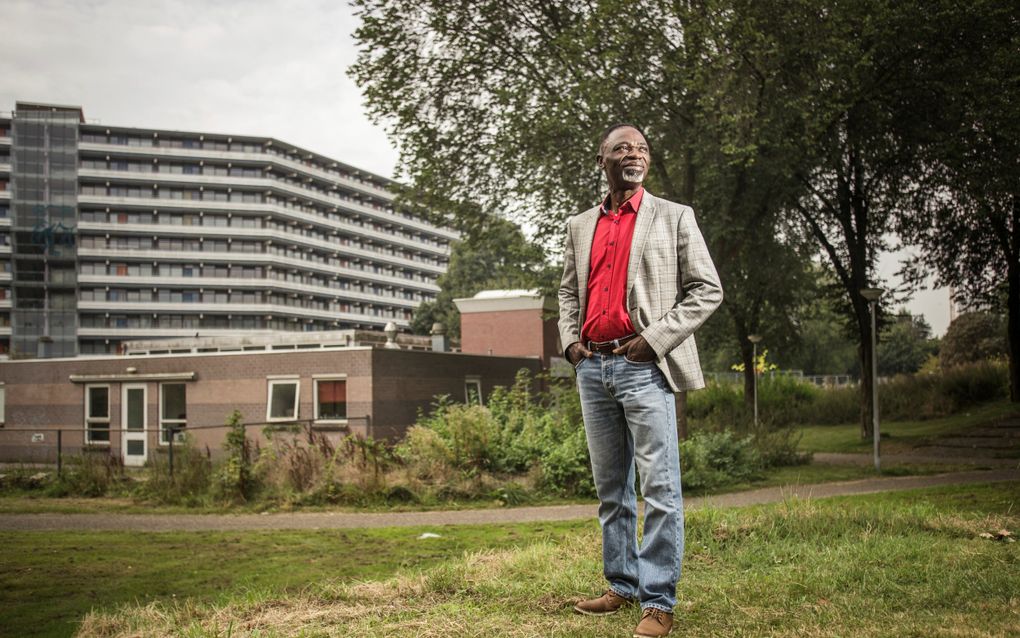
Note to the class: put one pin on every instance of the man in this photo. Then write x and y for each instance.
(637, 282)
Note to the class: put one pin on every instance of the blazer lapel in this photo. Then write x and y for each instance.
(585, 236)
(645, 217)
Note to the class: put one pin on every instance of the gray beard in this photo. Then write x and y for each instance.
(634, 175)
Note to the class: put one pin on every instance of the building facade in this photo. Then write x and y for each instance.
(110, 234)
(126, 406)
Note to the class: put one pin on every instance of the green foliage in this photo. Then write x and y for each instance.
(90, 474)
(781, 401)
(711, 459)
(973, 336)
(234, 478)
(904, 345)
(786, 400)
(191, 483)
(519, 431)
(494, 255)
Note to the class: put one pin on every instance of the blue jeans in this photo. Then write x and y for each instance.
(630, 416)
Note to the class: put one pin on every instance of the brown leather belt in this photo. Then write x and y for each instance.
(607, 347)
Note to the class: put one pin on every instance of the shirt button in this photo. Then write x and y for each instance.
(610, 243)
(605, 289)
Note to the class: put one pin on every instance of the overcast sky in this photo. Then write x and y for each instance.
(229, 66)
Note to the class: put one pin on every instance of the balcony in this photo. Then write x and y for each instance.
(262, 259)
(148, 204)
(116, 281)
(286, 165)
(260, 234)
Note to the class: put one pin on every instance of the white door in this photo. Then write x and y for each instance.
(133, 422)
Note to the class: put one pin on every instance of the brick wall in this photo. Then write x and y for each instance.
(385, 389)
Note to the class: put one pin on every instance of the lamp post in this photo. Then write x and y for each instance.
(755, 339)
(872, 295)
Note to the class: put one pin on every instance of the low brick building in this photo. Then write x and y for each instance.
(511, 323)
(127, 404)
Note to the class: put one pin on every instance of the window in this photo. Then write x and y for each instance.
(473, 391)
(173, 411)
(330, 399)
(3, 403)
(97, 414)
(283, 400)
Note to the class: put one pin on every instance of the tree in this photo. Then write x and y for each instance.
(973, 336)
(502, 103)
(776, 121)
(495, 255)
(971, 232)
(905, 344)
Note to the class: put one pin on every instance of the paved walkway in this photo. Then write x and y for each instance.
(345, 520)
(839, 458)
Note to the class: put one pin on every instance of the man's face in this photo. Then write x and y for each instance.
(624, 157)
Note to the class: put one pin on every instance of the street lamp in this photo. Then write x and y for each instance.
(755, 339)
(872, 295)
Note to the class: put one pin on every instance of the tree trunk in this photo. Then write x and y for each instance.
(681, 416)
(867, 381)
(747, 357)
(1013, 329)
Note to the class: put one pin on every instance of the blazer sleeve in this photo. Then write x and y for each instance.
(701, 289)
(569, 327)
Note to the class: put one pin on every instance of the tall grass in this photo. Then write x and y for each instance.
(786, 400)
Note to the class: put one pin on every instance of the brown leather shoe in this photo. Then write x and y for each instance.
(608, 603)
(654, 623)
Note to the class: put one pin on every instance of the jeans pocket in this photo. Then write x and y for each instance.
(638, 363)
(578, 364)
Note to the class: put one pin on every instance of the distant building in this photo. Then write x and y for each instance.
(110, 234)
(351, 382)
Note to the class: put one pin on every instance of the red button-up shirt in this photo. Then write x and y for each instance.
(606, 316)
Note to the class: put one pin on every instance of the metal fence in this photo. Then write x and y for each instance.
(821, 380)
(49, 446)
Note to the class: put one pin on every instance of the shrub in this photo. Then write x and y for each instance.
(191, 480)
(711, 459)
(234, 477)
(520, 431)
(88, 474)
(973, 337)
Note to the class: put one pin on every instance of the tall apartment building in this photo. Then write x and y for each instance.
(109, 234)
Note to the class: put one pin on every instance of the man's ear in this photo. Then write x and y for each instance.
(598, 161)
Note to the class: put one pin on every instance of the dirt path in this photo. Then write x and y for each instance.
(343, 520)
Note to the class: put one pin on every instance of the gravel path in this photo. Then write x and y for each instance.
(344, 520)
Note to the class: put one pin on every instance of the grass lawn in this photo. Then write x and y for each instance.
(897, 564)
(900, 436)
(50, 580)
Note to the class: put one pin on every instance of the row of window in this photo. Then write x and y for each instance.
(189, 270)
(224, 322)
(215, 145)
(251, 246)
(208, 195)
(245, 221)
(222, 297)
(329, 401)
(172, 168)
(285, 201)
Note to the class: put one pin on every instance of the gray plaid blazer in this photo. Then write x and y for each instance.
(672, 284)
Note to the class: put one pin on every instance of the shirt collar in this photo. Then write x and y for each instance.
(630, 206)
